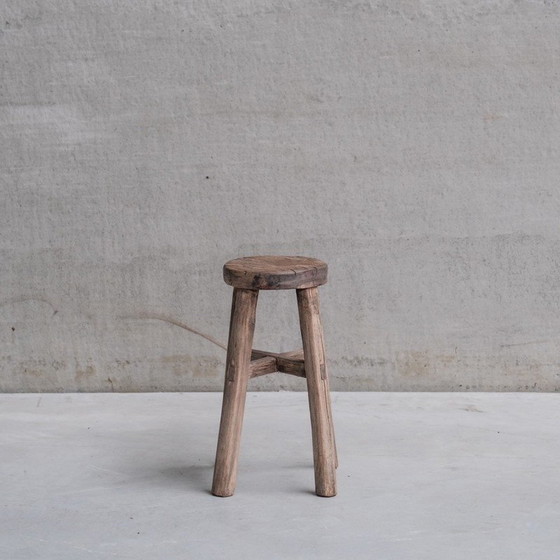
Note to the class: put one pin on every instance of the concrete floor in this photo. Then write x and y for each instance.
(422, 476)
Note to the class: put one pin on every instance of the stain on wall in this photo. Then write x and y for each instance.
(414, 147)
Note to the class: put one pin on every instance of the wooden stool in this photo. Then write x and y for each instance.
(248, 276)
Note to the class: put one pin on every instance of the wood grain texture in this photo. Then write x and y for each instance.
(244, 363)
(275, 273)
(241, 329)
(324, 450)
(262, 366)
(270, 362)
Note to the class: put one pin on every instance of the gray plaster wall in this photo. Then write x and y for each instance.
(413, 145)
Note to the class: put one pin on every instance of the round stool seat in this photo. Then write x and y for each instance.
(275, 273)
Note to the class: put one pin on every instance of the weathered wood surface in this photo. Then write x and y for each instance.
(241, 329)
(262, 366)
(322, 430)
(275, 273)
(270, 362)
(248, 275)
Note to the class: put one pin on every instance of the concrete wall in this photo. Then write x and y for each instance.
(413, 145)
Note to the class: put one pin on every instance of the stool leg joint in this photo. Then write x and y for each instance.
(291, 363)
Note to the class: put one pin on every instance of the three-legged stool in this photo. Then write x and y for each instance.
(248, 276)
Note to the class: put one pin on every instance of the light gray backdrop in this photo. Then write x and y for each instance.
(413, 145)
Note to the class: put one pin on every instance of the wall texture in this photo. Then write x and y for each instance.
(413, 145)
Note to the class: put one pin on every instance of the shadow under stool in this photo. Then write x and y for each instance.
(247, 276)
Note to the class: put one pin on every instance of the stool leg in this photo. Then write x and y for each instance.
(324, 452)
(329, 410)
(327, 390)
(240, 343)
